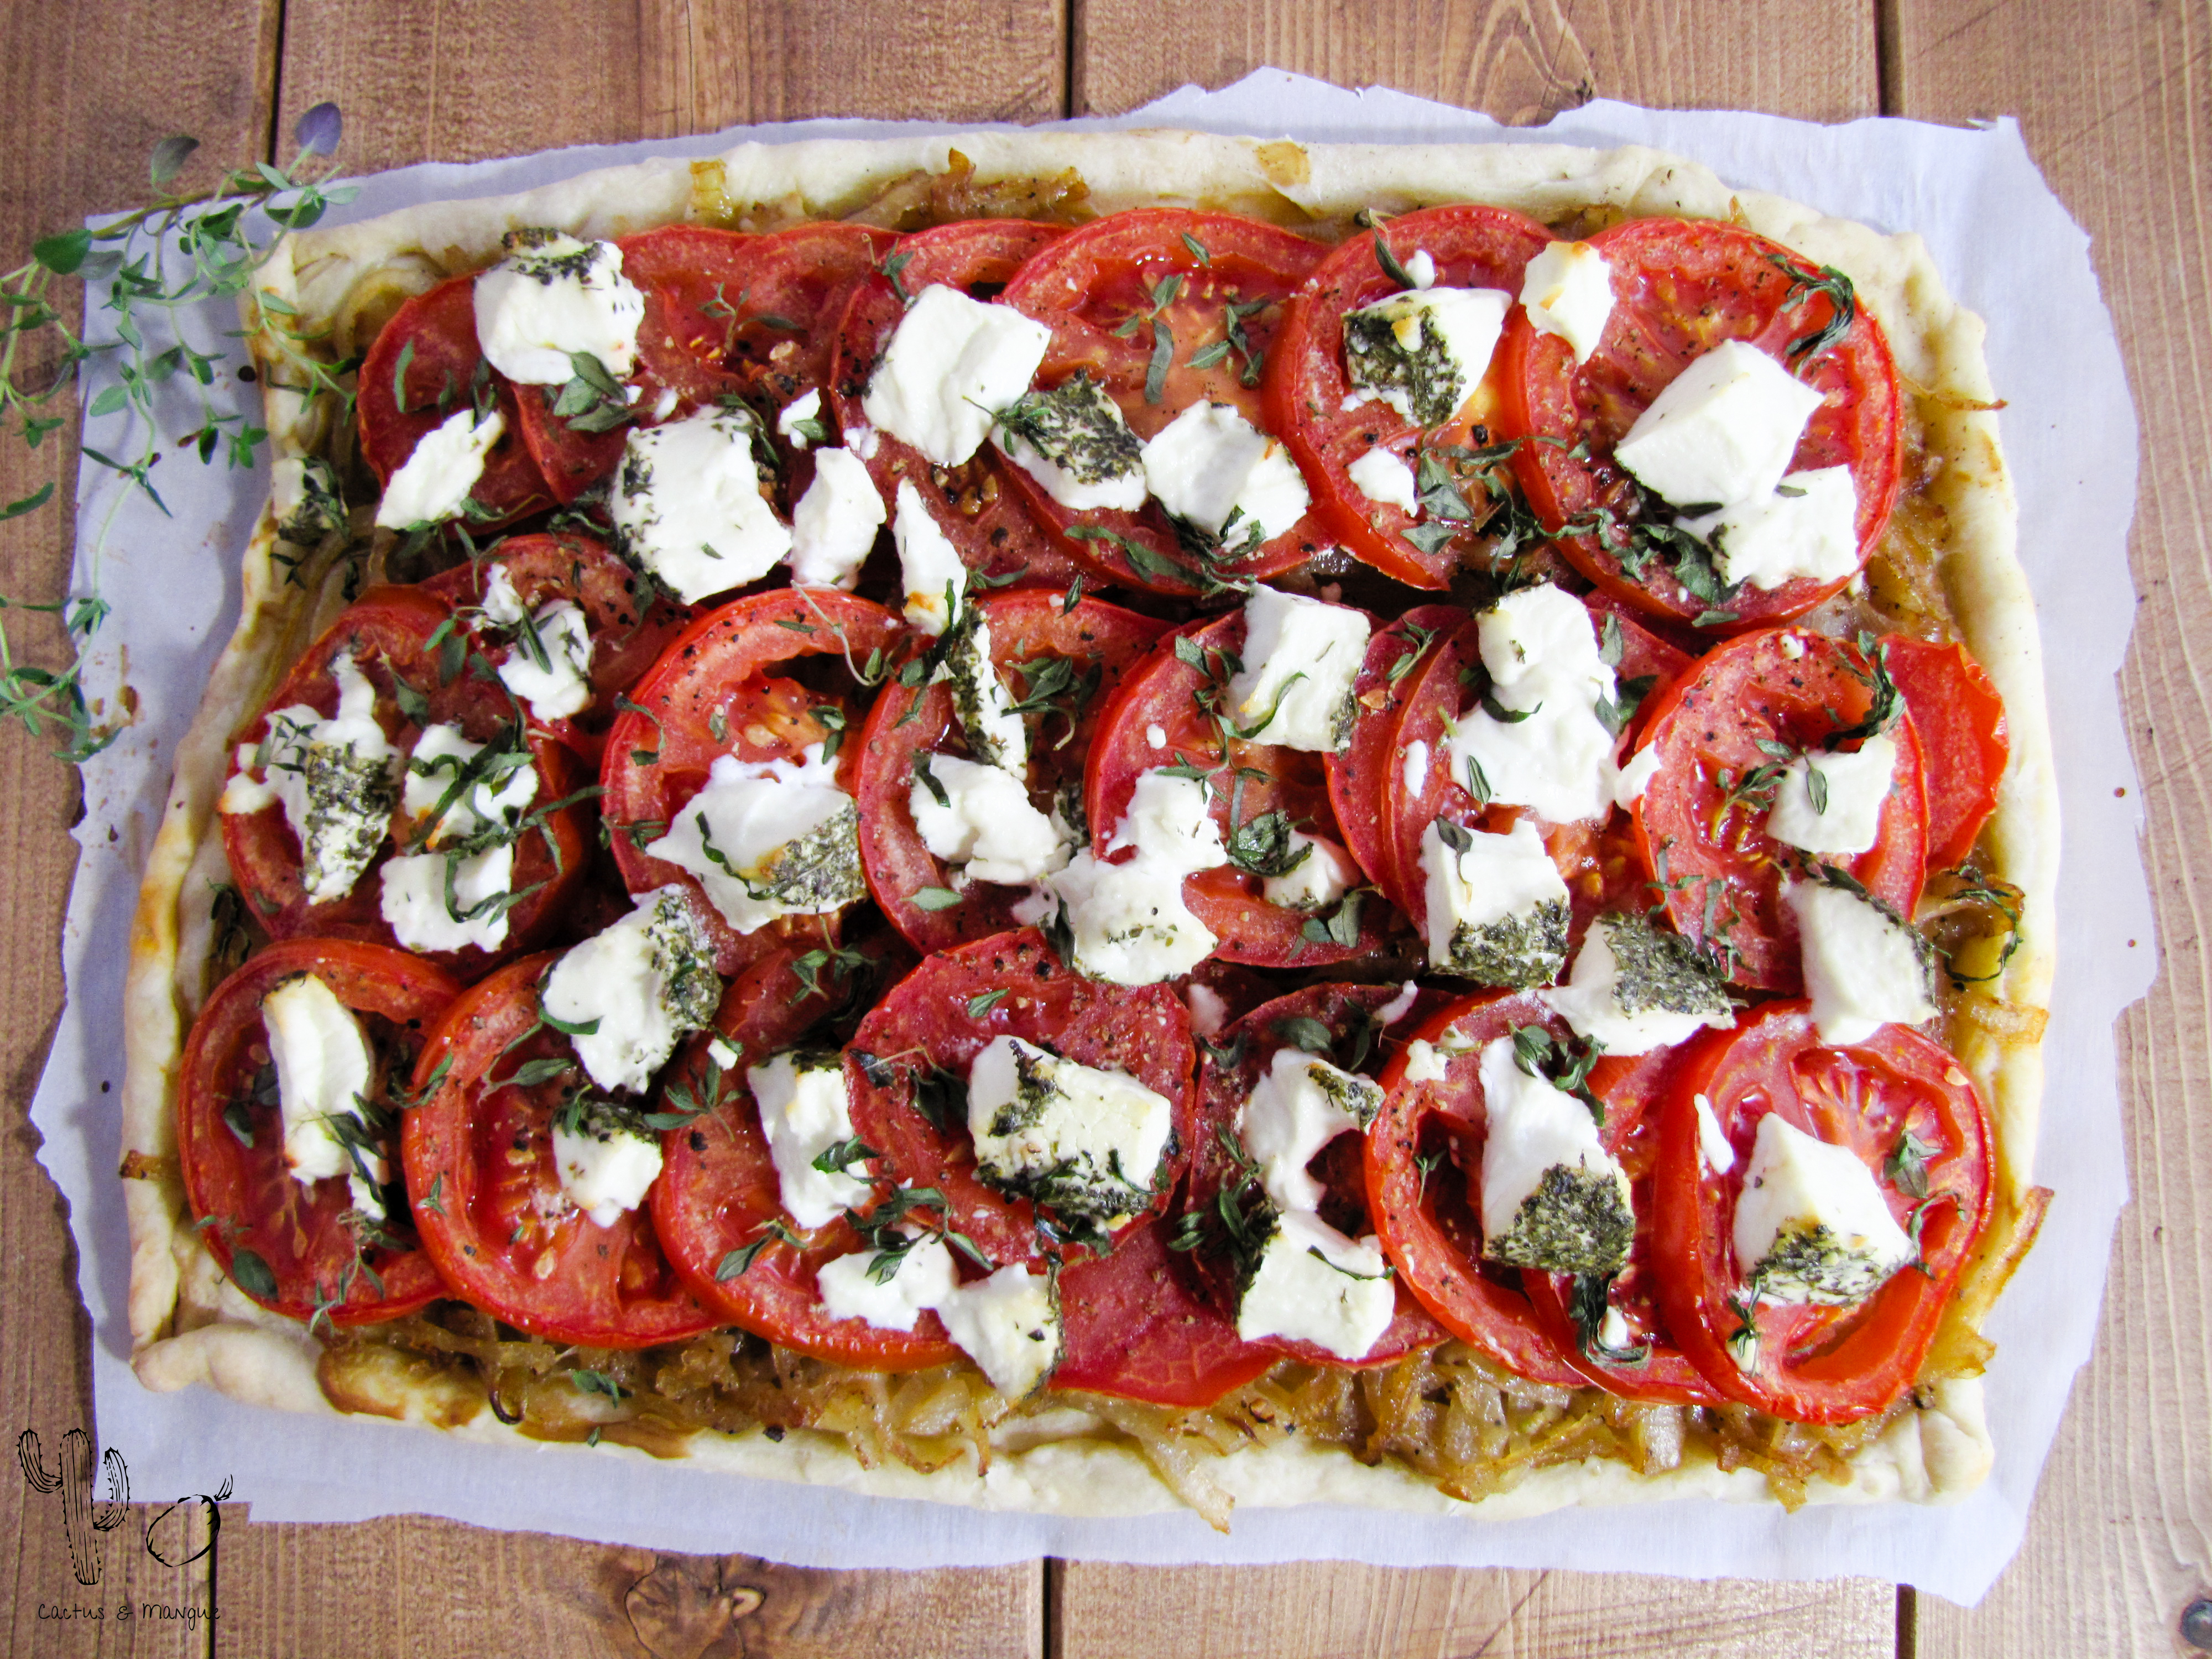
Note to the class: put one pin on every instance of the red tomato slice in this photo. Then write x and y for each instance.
(627, 638)
(1165, 692)
(943, 1014)
(1132, 1328)
(718, 1193)
(313, 1264)
(388, 631)
(571, 460)
(1424, 1179)
(975, 504)
(1031, 626)
(422, 367)
(1723, 873)
(1816, 1364)
(1230, 1068)
(1307, 386)
(1960, 720)
(709, 696)
(488, 1199)
(1356, 775)
(1633, 1091)
(1092, 284)
(1680, 287)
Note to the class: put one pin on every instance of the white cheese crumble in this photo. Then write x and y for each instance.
(805, 1110)
(499, 795)
(1214, 469)
(1498, 877)
(1008, 1324)
(833, 528)
(987, 824)
(414, 905)
(1800, 1190)
(920, 1278)
(1591, 1002)
(1722, 431)
(1532, 1127)
(1417, 766)
(1568, 291)
(1314, 1284)
(931, 574)
(1077, 1138)
(1847, 817)
(1806, 526)
(1317, 882)
(1384, 478)
(1300, 658)
(1712, 1143)
(323, 1071)
(1425, 1062)
(1636, 777)
(1298, 1106)
(1422, 268)
(433, 483)
(952, 363)
(1209, 1011)
(686, 505)
(740, 834)
(549, 666)
(1552, 752)
(607, 1164)
(800, 411)
(554, 295)
(638, 985)
(1864, 968)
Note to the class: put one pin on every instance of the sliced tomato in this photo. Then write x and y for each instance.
(1356, 773)
(1816, 1364)
(424, 366)
(1722, 874)
(935, 1022)
(393, 635)
(287, 1244)
(1131, 1327)
(570, 459)
(1960, 718)
(710, 695)
(1114, 292)
(488, 1198)
(1165, 694)
(1680, 287)
(1098, 640)
(1308, 388)
(1424, 1185)
(631, 624)
(1633, 1091)
(975, 504)
(1230, 1068)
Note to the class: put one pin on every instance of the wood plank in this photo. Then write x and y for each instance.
(1310, 1610)
(1522, 60)
(415, 1585)
(90, 86)
(2116, 106)
(421, 80)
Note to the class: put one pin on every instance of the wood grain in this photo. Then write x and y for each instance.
(1520, 60)
(429, 80)
(2117, 106)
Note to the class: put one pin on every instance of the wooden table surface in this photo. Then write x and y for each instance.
(2116, 103)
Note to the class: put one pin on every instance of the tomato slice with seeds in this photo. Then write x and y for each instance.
(312, 1264)
(935, 1022)
(1424, 1162)
(975, 504)
(488, 1198)
(1252, 781)
(1633, 1091)
(1230, 1066)
(1119, 291)
(1960, 718)
(1308, 388)
(389, 633)
(1680, 287)
(1723, 874)
(709, 696)
(424, 365)
(1097, 641)
(1817, 1364)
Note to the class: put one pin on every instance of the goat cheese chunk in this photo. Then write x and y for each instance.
(1314, 1284)
(833, 528)
(1300, 658)
(769, 838)
(1568, 291)
(1298, 1106)
(953, 362)
(1805, 527)
(549, 663)
(433, 483)
(912, 1283)
(1215, 470)
(1128, 922)
(607, 1158)
(1009, 1325)
(994, 732)
(337, 780)
(801, 417)
(1424, 352)
(639, 985)
(986, 824)
(1072, 440)
(1865, 967)
(1636, 987)
(1842, 812)
(1547, 747)
(932, 574)
(1812, 1225)
(455, 788)
(1552, 1198)
(1497, 907)
(1713, 1143)
(805, 1110)
(686, 505)
(553, 296)
(1321, 874)
(1722, 431)
(325, 1073)
(1385, 479)
(1083, 1141)
(448, 901)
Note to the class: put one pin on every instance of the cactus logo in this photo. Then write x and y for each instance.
(83, 1520)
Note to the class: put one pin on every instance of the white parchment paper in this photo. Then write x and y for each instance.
(2010, 252)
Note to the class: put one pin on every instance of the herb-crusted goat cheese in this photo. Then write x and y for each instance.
(1423, 351)
(1071, 439)
(1812, 1225)
(1552, 1197)
(1085, 1143)
(1637, 987)
(1497, 905)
